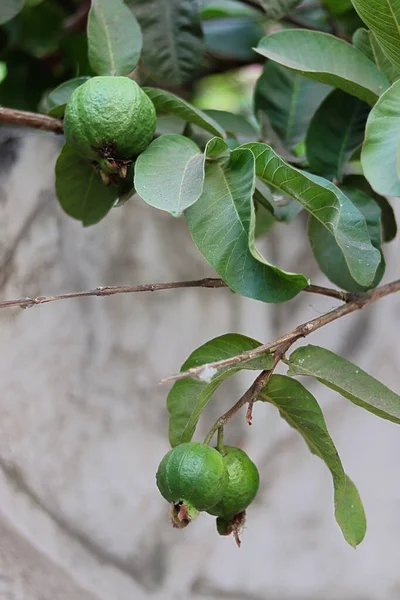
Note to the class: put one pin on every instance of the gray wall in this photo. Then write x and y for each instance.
(83, 422)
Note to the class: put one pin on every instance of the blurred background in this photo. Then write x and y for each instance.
(83, 422)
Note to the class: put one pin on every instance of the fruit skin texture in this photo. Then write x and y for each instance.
(194, 474)
(242, 486)
(109, 117)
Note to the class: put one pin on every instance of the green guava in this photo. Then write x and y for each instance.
(109, 120)
(192, 475)
(243, 482)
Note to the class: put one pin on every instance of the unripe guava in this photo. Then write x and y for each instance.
(109, 119)
(243, 482)
(192, 474)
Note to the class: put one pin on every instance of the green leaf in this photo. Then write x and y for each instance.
(80, 189)
(379, 153)
(277, 9)
(235, 126)
(167, 103)
(328, 205)
(335, 133)
(179, 167)
(347, 379)
(301, 411)
(233, 38)
(362, 42)
(189, 397)
(9, 9)
(173, 44)
(381, 60)
(281, 206)
(328, 254)
(222, 224)
(326, 58)
(114, 38)
(383, 18)
(58, 98)
(288, 100)
(338, 7)
(389, 225)
(217, 9)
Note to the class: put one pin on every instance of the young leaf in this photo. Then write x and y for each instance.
(9, 9)
(380, 148)
(167, 103)
(335, 133)
(189, 397)
(326, 58)
(222, 225)
(289, 100)
(58, 98)
(383, 18)
(347, 379)
(173, 45)
(179, 167)
(277, 9)
(114, 38)
(328, 205)
(328, 254)
(301, 411)
(80, 190)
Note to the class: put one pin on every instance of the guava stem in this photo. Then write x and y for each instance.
(220, 439)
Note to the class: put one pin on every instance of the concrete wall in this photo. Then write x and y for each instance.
(83, 422)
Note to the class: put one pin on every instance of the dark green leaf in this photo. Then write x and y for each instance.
(189, 397)
(328, 205)
(338, 7)
(328, 254)
(233, 38)
(347, 379)
(281, 206)
(167, 103)
(114, 36)
(58, 98)
(288, 100)
(222, 224)
(173, 45)
(80, 189)
(300, 409)
(277, 9)
(236, 126)
(9, 9)
(380, 149)
(383, 18)
(326, 58)
(335, 133)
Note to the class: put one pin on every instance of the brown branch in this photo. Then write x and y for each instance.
(29, 119)
(354, 302)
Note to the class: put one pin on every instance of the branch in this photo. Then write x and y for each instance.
(29, 119)
(354, 302)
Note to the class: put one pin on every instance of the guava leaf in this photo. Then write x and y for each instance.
(323, 200)
(58, 98)
(381, 60)
(167, 103)
(383, 18)
(327, 59)
(173, 41)
(298, 407)
(362, 42)
(338, 7)
(9, 9)
(80, 189)
(219, 9)
(114, 38)
(189, 397)
(277, 9)
(336, 131)
(289, 100)
(380, 148)
(222, 224)
(236, 126)
(346, 379)
(328, 254)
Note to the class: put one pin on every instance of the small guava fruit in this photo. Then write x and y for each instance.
(243, 482)
(109, 120)
(193, 477)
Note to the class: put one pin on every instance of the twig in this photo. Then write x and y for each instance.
(29, 119)
(354, 302)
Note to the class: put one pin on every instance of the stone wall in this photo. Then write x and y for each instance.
(83, 422)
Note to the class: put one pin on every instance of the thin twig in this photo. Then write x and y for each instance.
(354, 302)
(29, 119)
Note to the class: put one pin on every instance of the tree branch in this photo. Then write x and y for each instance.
(354, 302)
(29, 119)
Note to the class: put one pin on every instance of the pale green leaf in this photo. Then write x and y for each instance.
(9, 9)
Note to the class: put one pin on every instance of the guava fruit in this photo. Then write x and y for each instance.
(193, 477)
(109, 120)
(243, 482)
